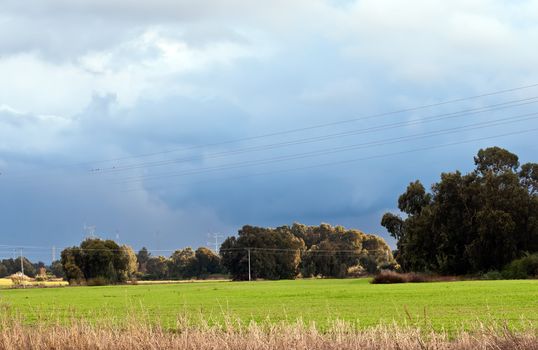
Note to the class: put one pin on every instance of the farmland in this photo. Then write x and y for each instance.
(443, 305)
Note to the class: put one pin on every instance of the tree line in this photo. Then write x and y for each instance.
(469, 223)
(284, 252)
(98, 261)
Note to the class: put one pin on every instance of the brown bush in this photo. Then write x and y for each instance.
(388, 276)
(418, 278)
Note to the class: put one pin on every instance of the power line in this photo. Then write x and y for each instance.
(347, 161)
(394, 125)
(317, 126)
(284, 132)
(326, 151)
(260, 249)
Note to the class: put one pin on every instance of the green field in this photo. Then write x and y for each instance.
(445, 305)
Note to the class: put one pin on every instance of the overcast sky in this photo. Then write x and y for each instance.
(161, 121)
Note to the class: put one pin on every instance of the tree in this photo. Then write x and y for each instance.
(181, 263)
(469, 223)
(266, 260)
(205, 263)
(142, 257)
(3, 271)
(333, 251)
(57, 269)
(495, 160)
(96, 259)
(393, 224)
(132, 262)
(157, 267)
(414, 199)
(14, 265)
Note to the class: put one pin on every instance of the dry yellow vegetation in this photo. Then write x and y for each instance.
(7, 283)
(136, 334)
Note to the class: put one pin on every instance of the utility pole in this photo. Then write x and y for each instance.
(249, 274)
(22, 265)
(53, 253)
(22, 271)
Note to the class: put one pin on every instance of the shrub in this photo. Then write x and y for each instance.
(417, 278)
(523, 268)
(492, 275)
(97, 281)
(40, 278)
(19, 279)
(389, 277)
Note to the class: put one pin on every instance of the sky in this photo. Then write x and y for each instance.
(160, 122)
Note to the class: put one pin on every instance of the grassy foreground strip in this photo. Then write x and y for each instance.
(444, 306)
(340, 335)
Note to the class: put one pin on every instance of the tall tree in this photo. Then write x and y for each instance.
(142, 257)
(132, 262)
(469, 223)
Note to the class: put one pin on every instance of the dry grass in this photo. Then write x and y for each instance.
(138, 334)
(8, 283)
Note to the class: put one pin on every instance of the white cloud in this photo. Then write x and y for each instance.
(149, 65)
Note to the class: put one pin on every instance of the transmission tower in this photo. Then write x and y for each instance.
(90, 231)
(214, 237)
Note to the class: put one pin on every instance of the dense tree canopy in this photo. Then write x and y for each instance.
(290, 251)
(469, 223)
(274, 253)
(98, 259)
(180, 264)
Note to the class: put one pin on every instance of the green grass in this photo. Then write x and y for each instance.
(445, 305)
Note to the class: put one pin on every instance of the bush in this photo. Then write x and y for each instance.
(389, 277)
(41, 278)
(523, 268)
(417, 278)
(492, 275)
(97, 281)
(18, 279)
